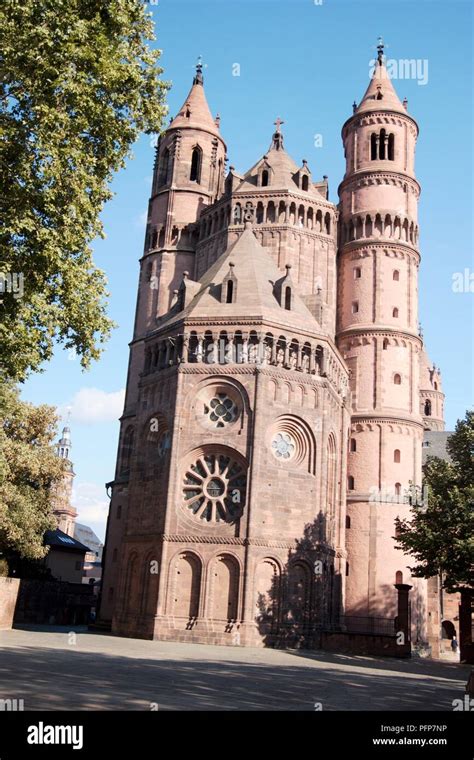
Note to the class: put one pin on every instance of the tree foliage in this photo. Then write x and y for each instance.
(440, 535)
(29, 474)
(78, 84)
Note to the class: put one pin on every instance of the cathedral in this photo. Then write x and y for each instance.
(278, 390)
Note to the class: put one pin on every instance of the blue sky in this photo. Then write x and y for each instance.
(306, 62)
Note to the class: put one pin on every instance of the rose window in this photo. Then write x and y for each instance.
(214, 488)
(220, 410)
(283, 445)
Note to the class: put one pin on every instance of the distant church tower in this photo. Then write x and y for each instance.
(63, 509)
(378, 336)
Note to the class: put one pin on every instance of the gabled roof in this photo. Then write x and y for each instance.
(256, 295)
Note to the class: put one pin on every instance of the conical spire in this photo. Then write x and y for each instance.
(195, 112)
(380, 93)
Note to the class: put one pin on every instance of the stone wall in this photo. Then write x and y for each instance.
(8, 597)
(54, 603)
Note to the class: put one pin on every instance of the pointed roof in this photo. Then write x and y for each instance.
(196, 106)
(429, 373)
(256, 291)
(282, 165)
(380, 93)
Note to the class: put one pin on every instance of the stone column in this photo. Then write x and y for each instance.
(245, 348)
(199, 348)
(465, 627)
(185, 348)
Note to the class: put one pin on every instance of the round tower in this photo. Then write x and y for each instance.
(188, 175)
(378, 335)
(63, 509)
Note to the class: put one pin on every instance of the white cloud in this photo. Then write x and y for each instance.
(91, 405)
(92, 504)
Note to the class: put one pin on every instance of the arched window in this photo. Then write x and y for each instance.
(399, 576)
(350, 483)
(396, 456)
(347, 568)
(355, 307)
(230, 291)
(391, 147)
(237, 213)
(353, 446)
(163, 174)
(397, 379)
(348, 522)
(357, 273)
(196, 161)
(264, 178)
(436, 386)
(304, 182)
(219, 177)
(396, 275)
(382, 139)
(398, 489)
(373, 147)
(288, 298)
(127, 447)
(385, 344)
(395, 313)
(427, 408)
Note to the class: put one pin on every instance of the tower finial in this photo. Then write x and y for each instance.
(380, 49)
(277, 141)
(198, 79)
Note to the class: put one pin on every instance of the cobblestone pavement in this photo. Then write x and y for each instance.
(55, 669)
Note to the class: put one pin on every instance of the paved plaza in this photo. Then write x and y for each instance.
(56, 669)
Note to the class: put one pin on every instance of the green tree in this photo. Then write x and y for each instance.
(440, 534)
(78, 83)
(29, 473)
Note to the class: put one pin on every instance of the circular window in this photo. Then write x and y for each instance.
(214, 488)
(220, 409)
(283, 445)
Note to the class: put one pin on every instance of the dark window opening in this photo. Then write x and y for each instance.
(264, 178)
(373, 147)
(288, 299)
(230, 292)
(305, 183)
(196, 161)
(391, 147)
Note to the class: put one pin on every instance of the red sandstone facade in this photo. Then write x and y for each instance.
(277, 389)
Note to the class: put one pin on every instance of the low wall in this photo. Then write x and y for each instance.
(364, 643)
(8, 597)
(54, 603)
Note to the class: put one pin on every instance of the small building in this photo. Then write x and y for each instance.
(65, 558)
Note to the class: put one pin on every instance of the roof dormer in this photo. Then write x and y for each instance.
(303, 177)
